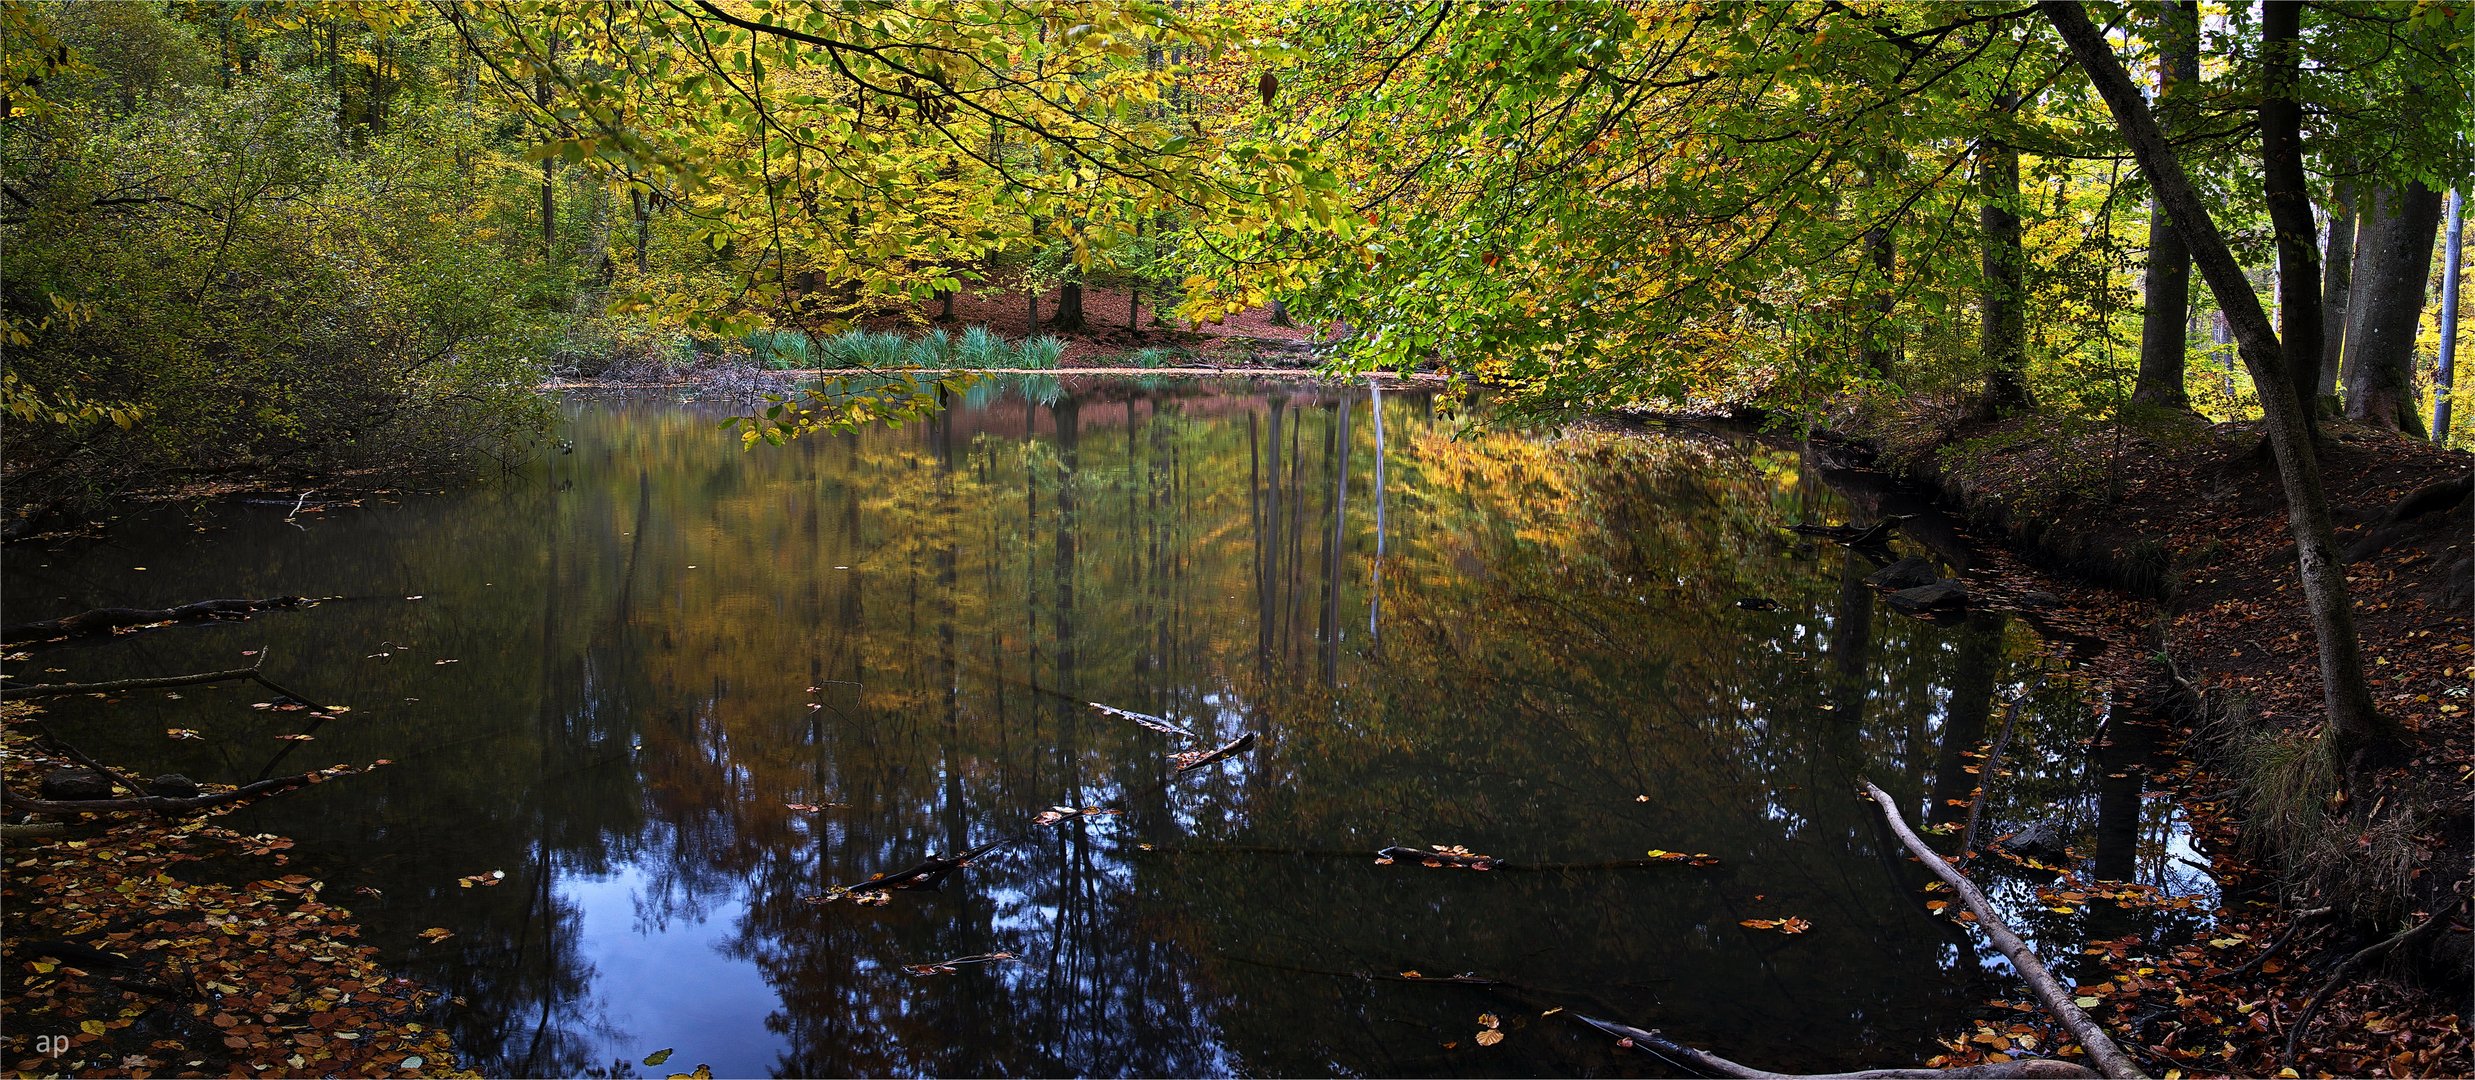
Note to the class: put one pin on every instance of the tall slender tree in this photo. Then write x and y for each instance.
(2353, 721)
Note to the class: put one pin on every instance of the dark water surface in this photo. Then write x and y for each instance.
(607, 679)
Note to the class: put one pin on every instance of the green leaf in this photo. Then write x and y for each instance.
(659, 1056)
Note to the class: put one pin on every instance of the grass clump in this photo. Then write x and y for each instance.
(1157, 357)
(866, 349)
(1040, 353)
(780, 350)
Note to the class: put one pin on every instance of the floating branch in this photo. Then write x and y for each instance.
(948, 967)
(1055, 814)
(1145, 720)
(2109, 1057)
(106, 620)
(1195, 759)
(926, 875)
(1456, 857)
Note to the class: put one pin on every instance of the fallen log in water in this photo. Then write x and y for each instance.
(2049, 991)
(106, 620)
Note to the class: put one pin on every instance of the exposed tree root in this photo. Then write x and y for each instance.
(2101, 1048)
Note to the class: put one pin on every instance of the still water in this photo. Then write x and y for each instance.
(614, 677)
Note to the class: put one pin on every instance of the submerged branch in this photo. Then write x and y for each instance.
(2101, 1048)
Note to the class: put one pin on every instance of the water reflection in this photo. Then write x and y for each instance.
(621, 673)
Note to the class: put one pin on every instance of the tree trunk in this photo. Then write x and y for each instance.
(2167, 293)
(549, 188)
(2397, 257)
(2337, 270)
(1280, 314)
(644, 226)
(2442, 376)
(2002, 335)
(1069, 314)
(2352, 719)
(2290, 202)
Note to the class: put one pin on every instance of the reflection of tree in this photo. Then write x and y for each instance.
(635, 686)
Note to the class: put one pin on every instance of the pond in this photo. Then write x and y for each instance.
(676, 692)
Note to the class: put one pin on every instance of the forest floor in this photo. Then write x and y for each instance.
(2190, 515)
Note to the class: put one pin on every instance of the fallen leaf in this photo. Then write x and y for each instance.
(436, 934)
(659, 1056)
(1490, 1037)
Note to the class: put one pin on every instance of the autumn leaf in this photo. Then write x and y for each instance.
(436, 934)
(1490, 1037)
(1489, 1020)
(659, 1056)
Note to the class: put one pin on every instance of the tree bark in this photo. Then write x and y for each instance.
(2002, 333)
(2167, 291)
(2389, 287)
(2109, 1058)
(2290, 202)
(2352, 719)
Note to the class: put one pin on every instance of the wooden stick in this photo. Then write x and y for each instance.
(114, 686)
(2109, 1057)
(106, 620)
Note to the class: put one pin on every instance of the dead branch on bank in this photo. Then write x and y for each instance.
(2101, 1048)
(106, 620)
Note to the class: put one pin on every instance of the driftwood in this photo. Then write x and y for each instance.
(2360, 959)
(1145, 720)
(928, 873)
(168, 805)
(1196, 759)
(2101, 1048)
(106, 620)
(1661, 1045)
